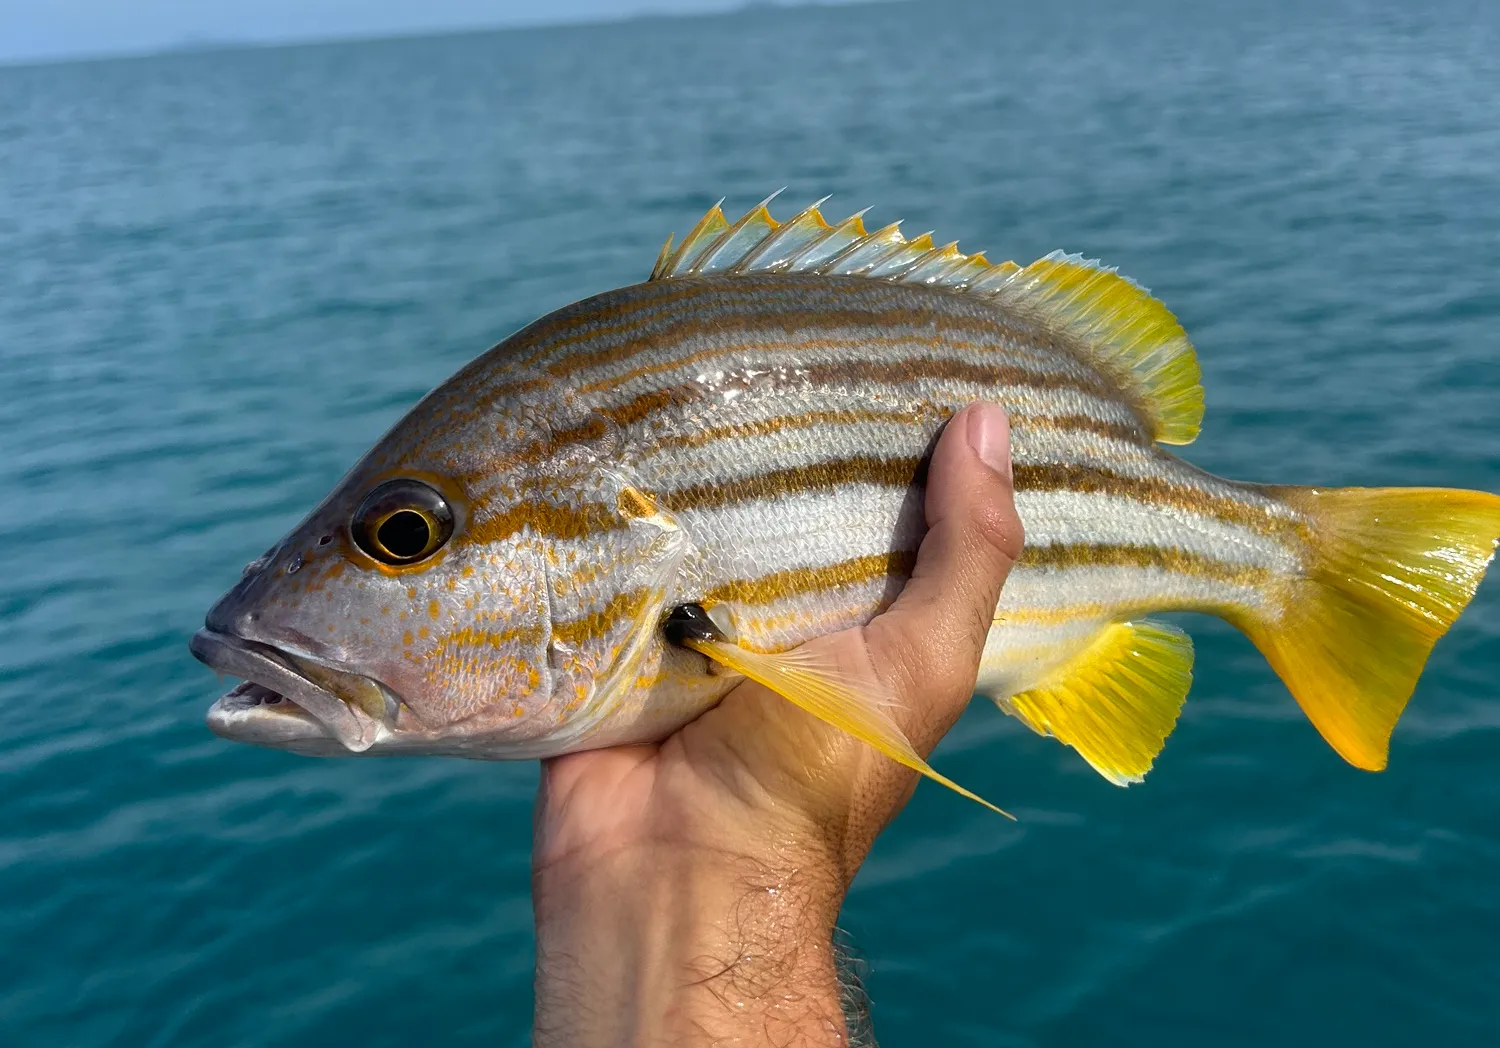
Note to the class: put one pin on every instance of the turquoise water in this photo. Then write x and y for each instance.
(224, 274)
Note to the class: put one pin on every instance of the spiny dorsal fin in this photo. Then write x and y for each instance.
(1113, 320)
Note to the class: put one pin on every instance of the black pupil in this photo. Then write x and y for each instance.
(404, 534)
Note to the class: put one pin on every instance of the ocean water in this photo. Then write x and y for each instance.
(223, 274)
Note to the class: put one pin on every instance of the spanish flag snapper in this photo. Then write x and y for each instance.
(597, 528)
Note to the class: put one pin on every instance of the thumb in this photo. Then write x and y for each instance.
(929, 643)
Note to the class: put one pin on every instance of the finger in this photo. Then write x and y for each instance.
(930, 641)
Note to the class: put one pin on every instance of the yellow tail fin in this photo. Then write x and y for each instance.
(1390, 569)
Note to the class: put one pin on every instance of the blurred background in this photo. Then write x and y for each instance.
(225, 270)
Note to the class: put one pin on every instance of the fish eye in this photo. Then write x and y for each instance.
(402, 522)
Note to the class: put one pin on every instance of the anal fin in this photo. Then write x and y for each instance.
(1117, 700)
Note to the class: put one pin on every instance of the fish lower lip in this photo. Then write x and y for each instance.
(266, 669)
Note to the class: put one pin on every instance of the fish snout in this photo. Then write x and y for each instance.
(236, 613)
(260, 597)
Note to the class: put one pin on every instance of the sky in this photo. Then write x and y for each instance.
(44, 30)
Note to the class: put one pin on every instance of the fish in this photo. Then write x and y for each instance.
(593, 531)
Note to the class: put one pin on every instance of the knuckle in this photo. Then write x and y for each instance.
(997, 526)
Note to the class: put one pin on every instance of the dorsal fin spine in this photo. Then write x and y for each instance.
(831, 243)
(809, 217)
(996, 276)
(694, 242)
(663, 257)
(866, 253)
(724, 243)
(938, 263)
(903, 259)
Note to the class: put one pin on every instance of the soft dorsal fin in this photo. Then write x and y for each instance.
(1110, 319)
(1126, 331)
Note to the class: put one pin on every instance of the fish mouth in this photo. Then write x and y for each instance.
(288, 702)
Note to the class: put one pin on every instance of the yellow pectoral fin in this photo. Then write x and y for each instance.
(1117, 700)
(822, 691)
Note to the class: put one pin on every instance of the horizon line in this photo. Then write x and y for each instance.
(195, 44)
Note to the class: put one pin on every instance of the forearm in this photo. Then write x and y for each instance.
(652, 946)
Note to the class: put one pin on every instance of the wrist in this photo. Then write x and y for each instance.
(668, 943)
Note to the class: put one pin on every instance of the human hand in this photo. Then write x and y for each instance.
(686, 892)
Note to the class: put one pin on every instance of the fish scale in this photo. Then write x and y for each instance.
(747, 433)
